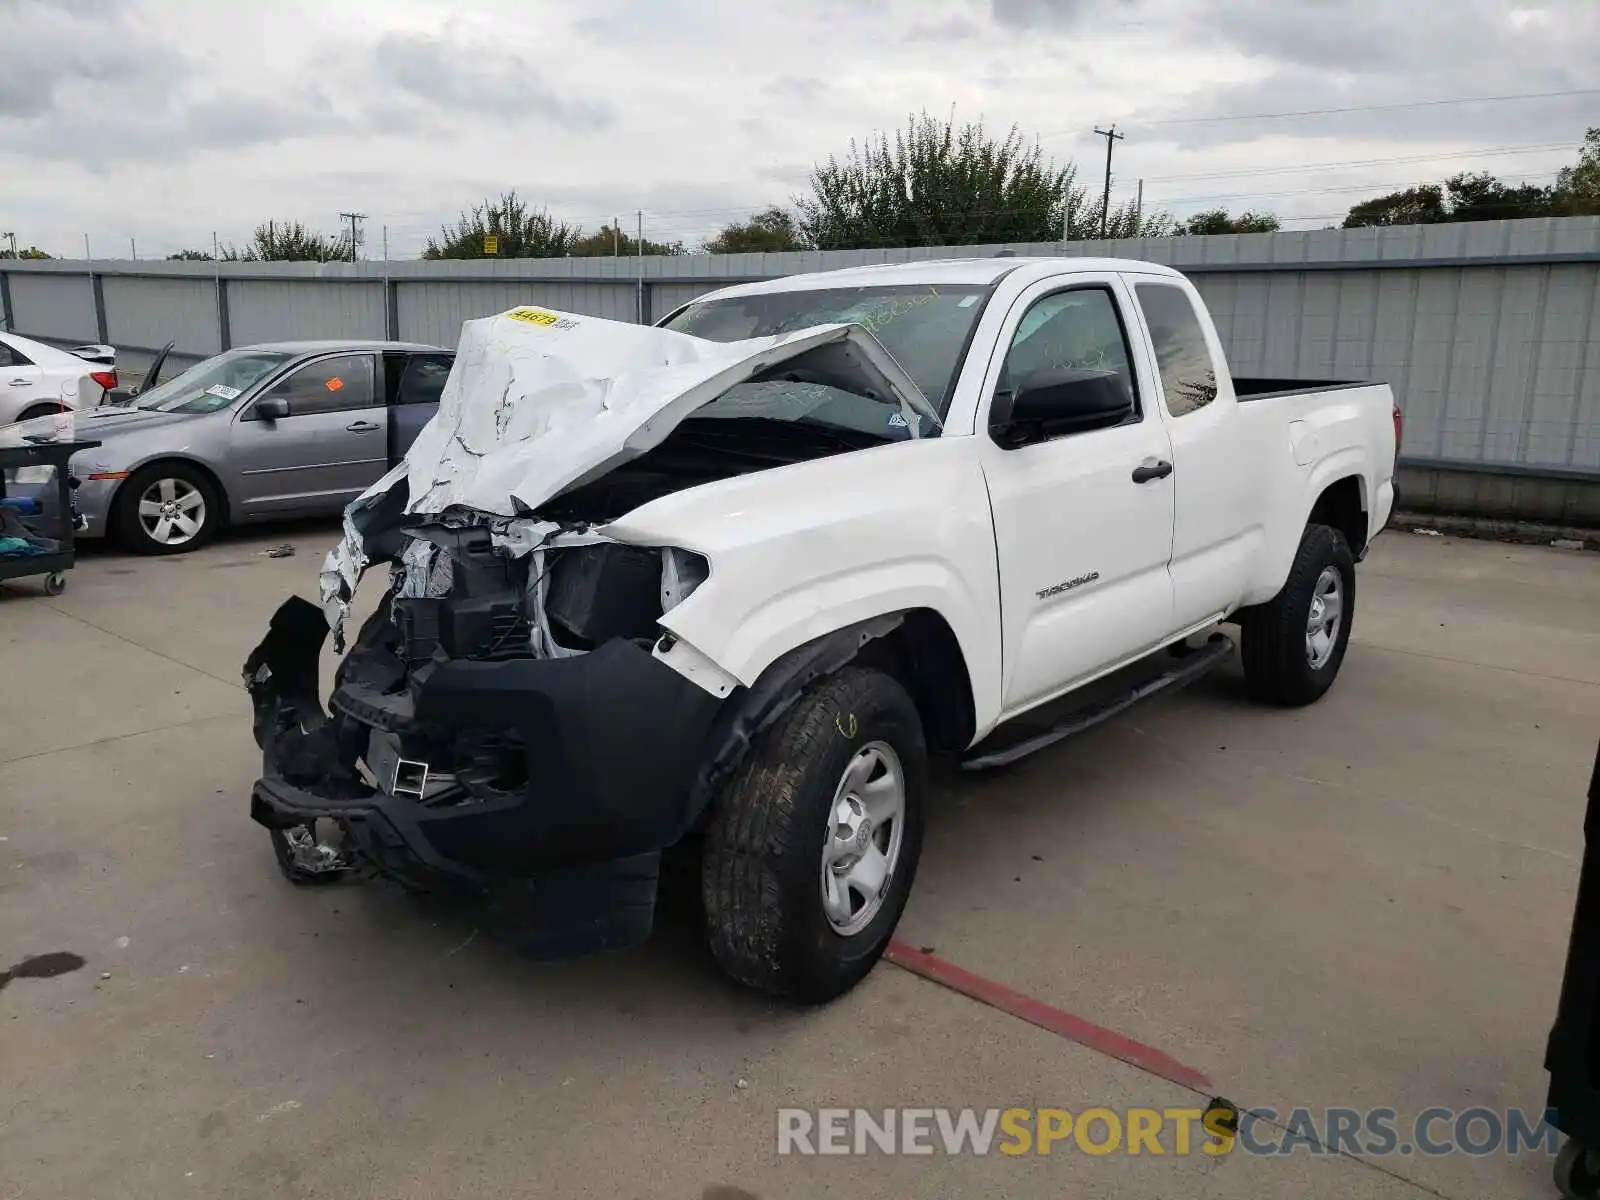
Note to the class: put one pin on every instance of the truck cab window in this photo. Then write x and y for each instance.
(1075, 328)
(1188, 376)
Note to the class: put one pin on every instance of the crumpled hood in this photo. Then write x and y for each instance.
(539, 402)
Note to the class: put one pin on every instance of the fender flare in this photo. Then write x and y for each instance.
(750, 711)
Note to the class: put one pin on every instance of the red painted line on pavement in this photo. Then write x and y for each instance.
(1045, 1016)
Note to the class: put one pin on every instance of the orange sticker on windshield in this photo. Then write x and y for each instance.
(334, 384)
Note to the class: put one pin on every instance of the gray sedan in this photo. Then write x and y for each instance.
(286, 429)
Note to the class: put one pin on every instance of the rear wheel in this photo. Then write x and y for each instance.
(1294, 644)
(167, 508)
(813, 848)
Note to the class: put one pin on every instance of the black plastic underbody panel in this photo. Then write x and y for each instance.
(613, 741)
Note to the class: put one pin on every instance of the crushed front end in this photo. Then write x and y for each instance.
(499, 727)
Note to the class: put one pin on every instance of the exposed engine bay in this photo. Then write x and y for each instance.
(511, 710)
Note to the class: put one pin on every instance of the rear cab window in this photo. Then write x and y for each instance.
(1188, 371)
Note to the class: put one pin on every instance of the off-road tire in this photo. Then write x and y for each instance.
(1277, 669)
(125, 509)
(760, 880)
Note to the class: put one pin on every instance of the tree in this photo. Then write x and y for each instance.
(289, 241)
(1578, 186)
(1479, 196)
(189, 256)
(939, 184)
(1422, 205)
(27, 252)
(613, 240)
(1217, 220)
(524, 232)
(767, 232)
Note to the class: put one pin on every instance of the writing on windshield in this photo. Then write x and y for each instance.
(923, 326)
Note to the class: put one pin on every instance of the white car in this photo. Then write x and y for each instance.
(36, 379)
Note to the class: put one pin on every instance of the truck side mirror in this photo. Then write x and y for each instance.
(1058, 401)
(272, 408)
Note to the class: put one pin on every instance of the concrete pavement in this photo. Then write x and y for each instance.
(1364, 903)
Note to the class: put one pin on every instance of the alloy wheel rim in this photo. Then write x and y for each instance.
(861, 849)
(172, 512)
(1325, 617)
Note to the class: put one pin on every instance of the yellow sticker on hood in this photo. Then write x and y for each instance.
(534, 316)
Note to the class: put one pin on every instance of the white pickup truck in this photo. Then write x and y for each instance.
(731, 580)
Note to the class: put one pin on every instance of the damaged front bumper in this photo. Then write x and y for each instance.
(552, 783)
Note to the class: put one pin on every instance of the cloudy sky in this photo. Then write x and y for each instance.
(166, 120)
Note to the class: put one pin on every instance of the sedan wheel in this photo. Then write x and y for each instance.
(172, 512)
(168, 508)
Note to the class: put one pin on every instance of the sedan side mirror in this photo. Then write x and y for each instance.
(272, 408)
(1058, 401)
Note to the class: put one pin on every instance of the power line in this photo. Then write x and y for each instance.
(1354, 108)
(1496, 151)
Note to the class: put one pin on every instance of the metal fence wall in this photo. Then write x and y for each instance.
(1488, 332)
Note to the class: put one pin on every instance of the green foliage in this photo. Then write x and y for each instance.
(27, 252)
(1578, 186)
(770, 231)
(189, 256)
(1480, 196)
(289, 241)
(940, 184)
(1217, 220)
(524, 232)
(1423, 205)
(613, 240)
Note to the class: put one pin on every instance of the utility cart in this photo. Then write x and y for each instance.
(54, 521)
(1573, 1054)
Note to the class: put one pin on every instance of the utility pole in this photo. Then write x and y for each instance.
(133, 249)
(616, 237)
(86, 253)
(1138, 210)
(1112, 137)
(13, 239)
(353, 218)
(641, 315)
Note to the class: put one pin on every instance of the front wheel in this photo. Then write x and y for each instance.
(812, 849)
(167, 508)
(1295, 642)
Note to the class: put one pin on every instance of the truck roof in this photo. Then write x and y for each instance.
(953, 271)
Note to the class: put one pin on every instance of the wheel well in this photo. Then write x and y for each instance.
(924, 655)
(192, 464)
(1339, 507)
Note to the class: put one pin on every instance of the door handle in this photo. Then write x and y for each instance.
(1152, 468)
(361, 427)
(21, 382)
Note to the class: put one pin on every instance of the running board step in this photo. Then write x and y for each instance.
(1049, 724)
